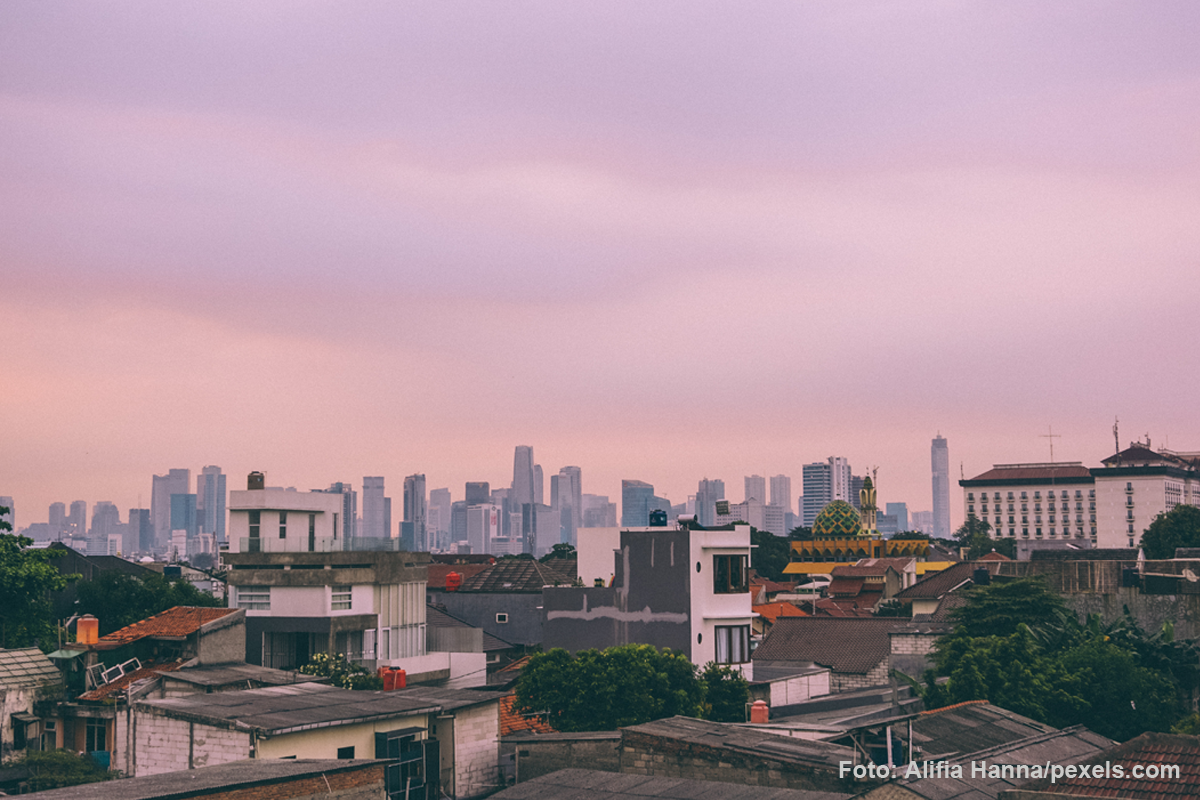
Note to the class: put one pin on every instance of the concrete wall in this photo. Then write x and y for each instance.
(912, 653)
(163, 744)
(524, 626)
(589, 751)
(476, 749)
(797, 689)
(325, 742)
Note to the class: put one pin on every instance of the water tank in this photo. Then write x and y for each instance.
(760, 713)
(658, 518)
(453, 581)
(255, 480)
(393, 678)
(87, 629)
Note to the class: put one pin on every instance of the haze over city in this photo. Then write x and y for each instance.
(659, 242)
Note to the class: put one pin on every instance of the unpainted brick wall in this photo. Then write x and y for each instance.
(164, 744)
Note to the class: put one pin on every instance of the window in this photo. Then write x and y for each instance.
(254, 598)
(733, 644)
(312, 532)
(501, 618)
(282, 524)
(729, 575)
(341, 600)
(346, 752)
(255, 520)
(97, 736)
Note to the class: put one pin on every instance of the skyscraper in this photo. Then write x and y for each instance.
(141, 531)
(781, 492)
(438, 532)
(415, 510)
(940, 459)
(176, 481)
(210, 501)
(522, 482)
(824, 482)
(58, 519)
(478, 493)
(539, 485)
(900, 512)
(374, 523)
(708, 492)
(756, 487)
(77, 519)
(346, 526)
(636, 497)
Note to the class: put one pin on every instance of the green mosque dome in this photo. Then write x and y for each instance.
(839, 519)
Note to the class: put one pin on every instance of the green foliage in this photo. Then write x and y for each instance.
(605, 690)
(560, 550)
(1179, 527)
(974, 526)
(53, 769)
(25, 582)
(982, 544)
(341, 673)
(912, 536)
(770, 554)
(726, 693)
(1188, 726)
(801, 535)
(117, 599)
(997, 609)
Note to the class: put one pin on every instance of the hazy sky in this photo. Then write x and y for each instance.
(657, 240)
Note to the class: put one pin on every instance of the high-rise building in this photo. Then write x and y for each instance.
(781, 492)
(77, 519)
(176, 481)
(636, 497)
(374, 517)
(478, 493)
(183, 514)
(856, 486)
(437, 524)
(458, 521)
(940, 459)
(708, 492)
(347, 525)
(598, 512)
(522, 482)
(141, 531)
(574, 495)
(415, 511)
(756, 487)
(58, 519)
(900, 512)
(824, 482)
(539, 485)
(921, 521)
(210, 501)
(106, 519)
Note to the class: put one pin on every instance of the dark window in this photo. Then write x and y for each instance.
(282, 524)
(729, 575)
(346, 752)
(255, 520)
(733, 644)
(97, 736)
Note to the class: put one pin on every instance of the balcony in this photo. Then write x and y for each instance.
(268, 544)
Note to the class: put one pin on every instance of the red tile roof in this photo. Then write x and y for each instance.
(177, 621)
(147, 671)
(773, 611)
(511, 722)
(1031, 472)
(994, 556)
(845, 587)
(1148, 749)
(864, 571)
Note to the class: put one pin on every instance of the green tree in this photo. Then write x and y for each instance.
(726, 693)
(602, 690)
(341, 672)
(982, 544)
(801, 534)
(770, 554)
(974, 526)
(26, 579)
(560, 550)
(53, 769)
(1179, 527)
(999, 608)
(117, 599)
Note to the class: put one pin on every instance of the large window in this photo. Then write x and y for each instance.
(729, 575)
(733, 644)
(97, 735)
(341, 598)
(254, 598)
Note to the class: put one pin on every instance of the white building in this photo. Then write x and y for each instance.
(1136, 485)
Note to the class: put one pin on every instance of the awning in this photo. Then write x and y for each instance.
(26, 718)
(66, 654)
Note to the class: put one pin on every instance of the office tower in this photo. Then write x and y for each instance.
(478, 493)
(856, 486)
(388, 532)
(9, 516)
(922, 521)
(183, 514)
(77, 518)
(458, 521)
(781, 492)
(900, 512)
(940, 460)
(756, 487)
(373, 517)
(539, 485)
(708, 492)
(523, 476)
(346, 524)
(58, 519)
(636, 497)
(598, 512)
(141, 531)
(106, 519)
(483, 525)
(824, 482)
(439, 530)
(210, 501)
(176, 481)
(415, 510)
(570, 492)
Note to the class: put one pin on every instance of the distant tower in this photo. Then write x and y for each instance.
(539, 485)
(522, 482)
(176, 481)
(210, 501)
(478, 493)
(781, 491)
(940, 457)
(636, 499)
(77, 519)
(415, 511)
(824, 482)
(708, 492)
(58, 519)
(868, 507)
(756, 487)
(374, 523)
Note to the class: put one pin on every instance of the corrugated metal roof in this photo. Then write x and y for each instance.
(27, 667)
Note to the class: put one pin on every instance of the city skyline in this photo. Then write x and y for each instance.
(329, 243)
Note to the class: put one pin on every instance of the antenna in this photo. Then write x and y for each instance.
(1116, 435)
(1051, 436)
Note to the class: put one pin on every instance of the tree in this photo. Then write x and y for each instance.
(560, 550)
(117, 599)
(770, 555)
(999, 608)
(341, 672)
(726, 693)
(801, 534)
(1179, 527)
(602, 690)
(982, 544)
(974, 526)
(53, 769)
(26, 579)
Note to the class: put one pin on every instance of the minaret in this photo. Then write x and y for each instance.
(866, 498)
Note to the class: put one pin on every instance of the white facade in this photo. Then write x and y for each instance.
(714, 616)
(1035, 501)
(284, 521)
(1138, 485)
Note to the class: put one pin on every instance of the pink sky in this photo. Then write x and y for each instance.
(657, 241)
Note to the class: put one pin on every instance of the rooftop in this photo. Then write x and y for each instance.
(521, 575)
(1012, 474)
(175, 622)
(27, 667)
(437, 617)
(773, 611)
(1149, 748)
(578, 784)
(968, 727)
(512, 722)
(938, 584)
(746, 740)
(850, 644)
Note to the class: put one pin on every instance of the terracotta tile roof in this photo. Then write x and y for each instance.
(1149, 748)
(773, 611)
(772, 587)
(1028, 473)
(863, 571)
(845, 587)
(511, 722)
(994, 556)
(844, 645)
(147, 671)
(177, 621)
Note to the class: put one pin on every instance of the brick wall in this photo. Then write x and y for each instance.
(846, 681)
(163, 744)
(359, 784)
(476, 749)
(535, 758)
